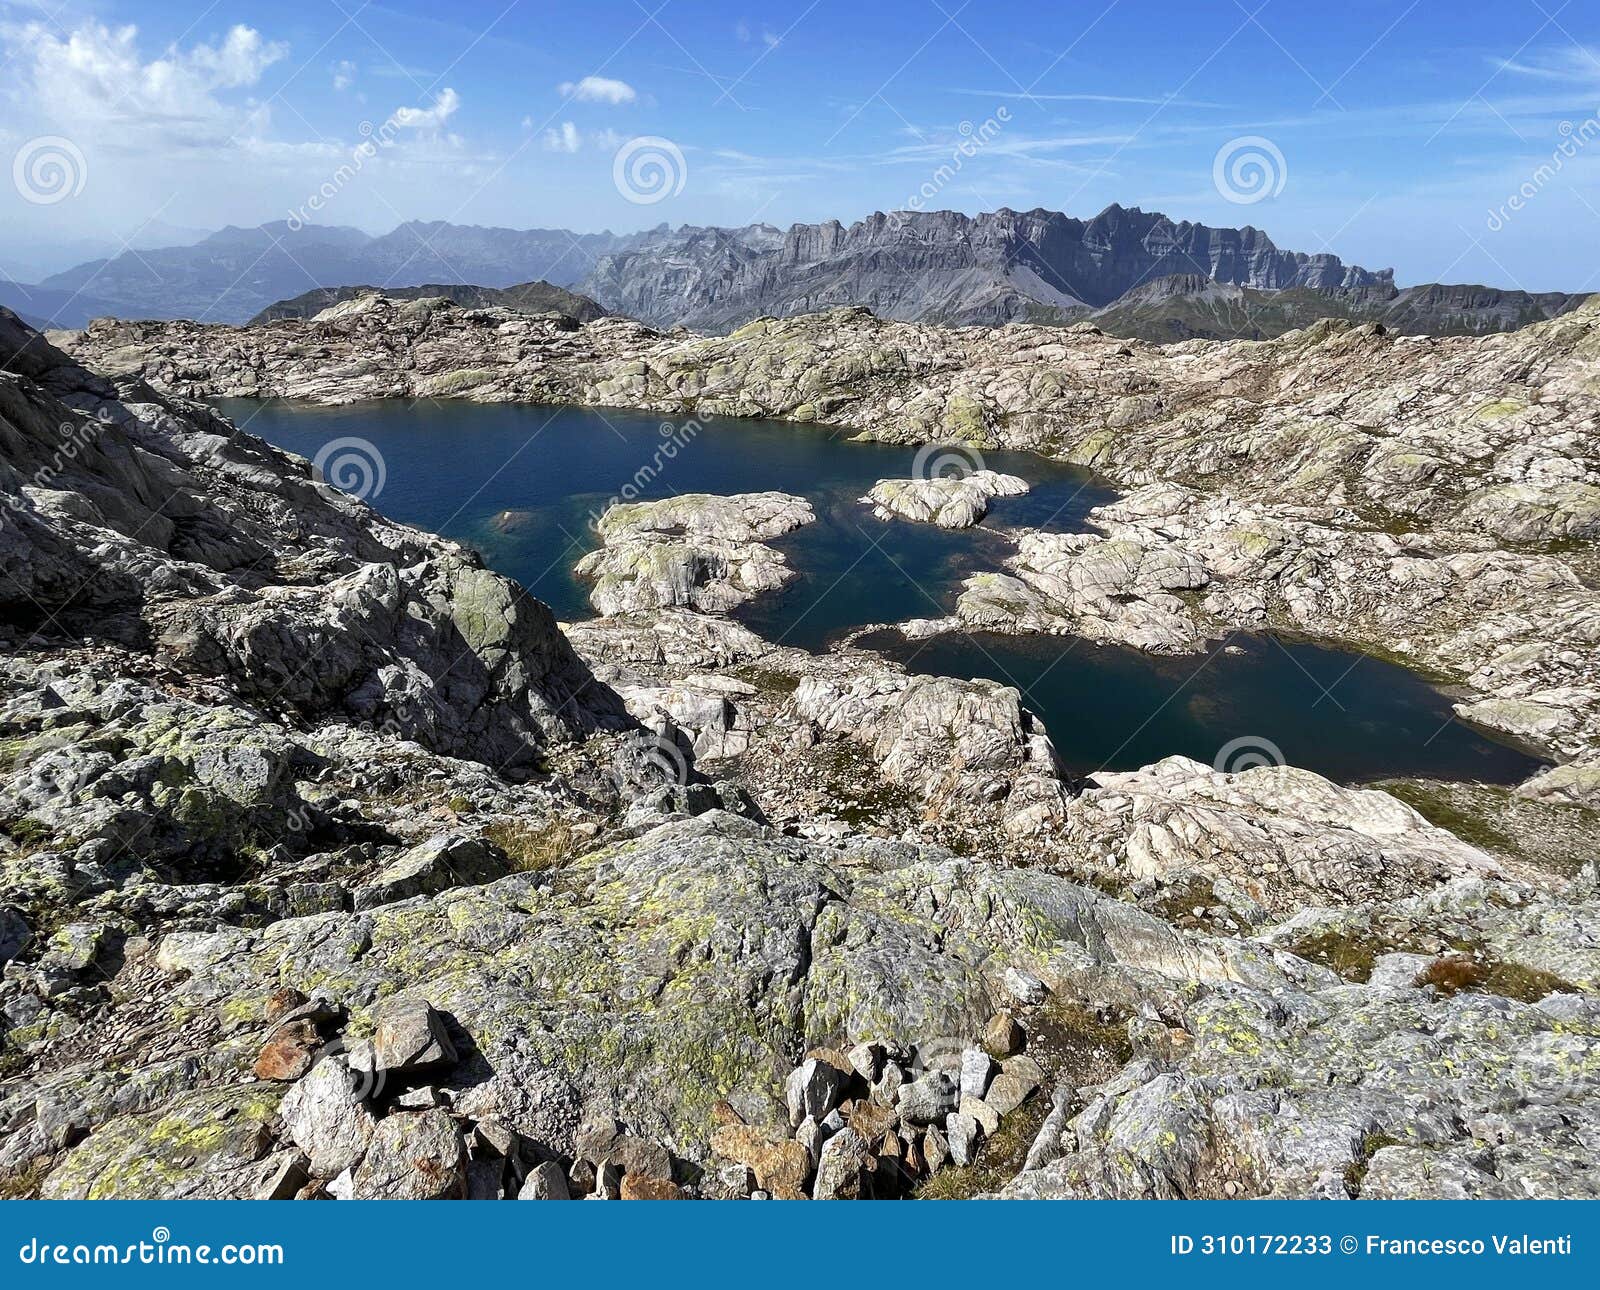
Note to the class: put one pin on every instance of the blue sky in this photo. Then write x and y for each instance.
(1389, 130)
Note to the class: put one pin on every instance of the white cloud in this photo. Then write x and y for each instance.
(344, 74)
(564, 139)
(96, 80)
(1568, 64)
(429, 119)
(238, 61)
(748, 35)
(599, 89)
(568, 138)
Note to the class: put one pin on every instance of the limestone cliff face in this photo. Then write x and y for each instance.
(946, 267)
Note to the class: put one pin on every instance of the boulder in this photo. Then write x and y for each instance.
(963, 1132)
(977, 1069)
(324, 1118)
(929, 1099)
(813, 1089)
(413, 1155)
(448, 860)
(1015, 1083)
(636, 1187)
(1003, 1036)
(285, 1175)
(604, 1138)
(290, 1052)
(545, 1182)
(1024, 987)
(987, 1117)
(843, 1170)
(408, 1037)
(780, 1164)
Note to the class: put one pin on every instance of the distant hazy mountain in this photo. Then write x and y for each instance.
(32, 259)
(1134, 272)
(46, 307)
(528, 297)
(234, 274)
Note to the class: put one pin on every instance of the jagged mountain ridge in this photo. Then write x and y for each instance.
(947, 267)
(939, 266)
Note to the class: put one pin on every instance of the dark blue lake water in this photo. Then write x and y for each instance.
(458, 468)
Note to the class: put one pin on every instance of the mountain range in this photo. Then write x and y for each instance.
(1131, 272)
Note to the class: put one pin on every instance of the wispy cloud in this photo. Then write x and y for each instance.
(1567, 64)
(599, 89)
(749, 35)
(431, 118)
(563, 138)
(1148, 101)
(567, 138)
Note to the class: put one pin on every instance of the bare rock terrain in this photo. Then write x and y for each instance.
(330, 865)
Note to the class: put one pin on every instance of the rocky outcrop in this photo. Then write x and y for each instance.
(691, 550)
(1277, 837)
(950, 741)
(151, 522)
(1424, 1085)
(527, 297)
(950, 501)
